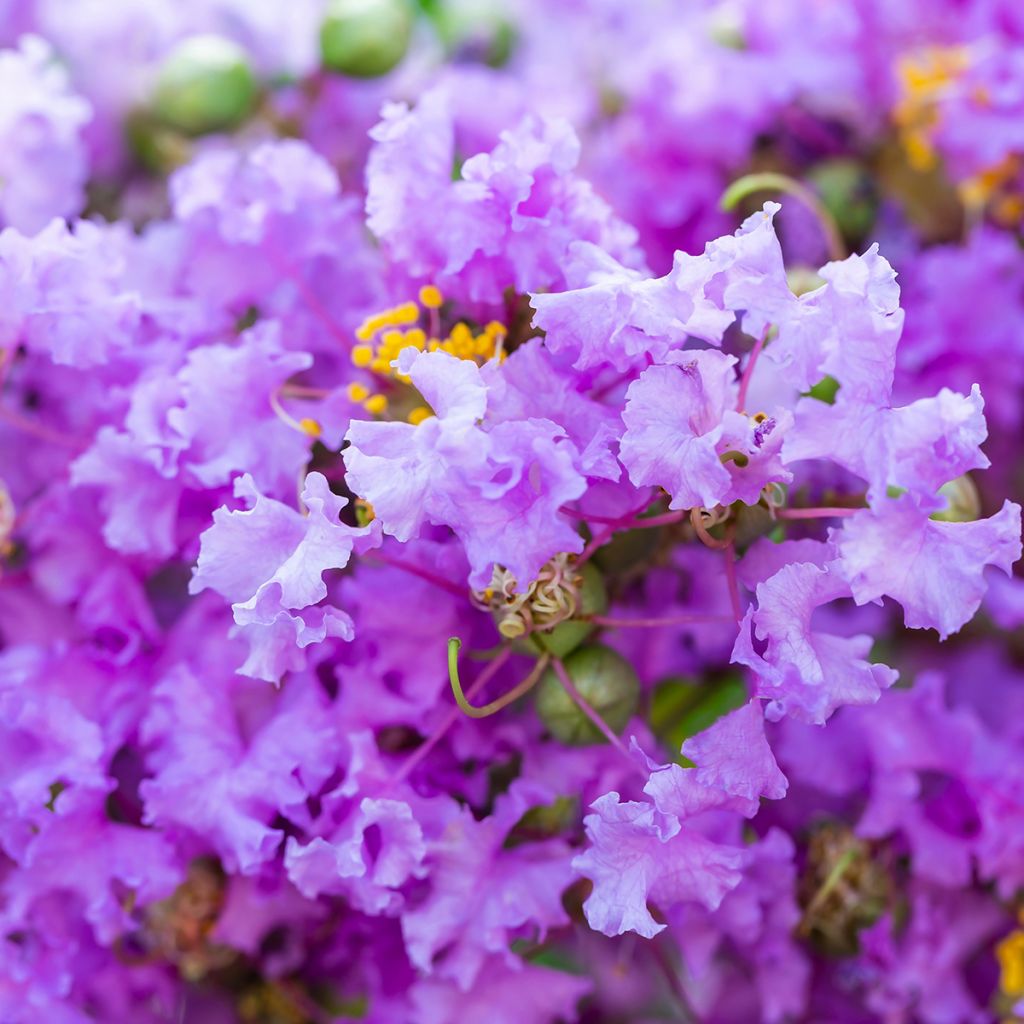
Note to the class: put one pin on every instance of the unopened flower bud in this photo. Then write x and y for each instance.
(204, 85)
(365, 38)
(604, 679)
(847, 193)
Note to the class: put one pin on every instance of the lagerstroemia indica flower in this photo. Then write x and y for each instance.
(447, 574)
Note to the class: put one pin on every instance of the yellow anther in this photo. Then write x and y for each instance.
(494, 328)
(433, 345)
(371, 325)
(406, 313)
(461, 333)
(403, 378)
(1010, 954)
(375, 404)
(415, 337)
(362, 355)
(358, 392)
(431, 297)
(419, 414)
(381, 365)
(392, 341)
(310, 426)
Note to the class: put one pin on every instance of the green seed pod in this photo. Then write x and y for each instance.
(567, 636)
(964, 501)
(604, 679)
(365, 38)
(204, 85)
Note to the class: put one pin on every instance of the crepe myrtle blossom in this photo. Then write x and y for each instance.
(415, 610)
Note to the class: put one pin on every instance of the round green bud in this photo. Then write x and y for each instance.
(964, 501)
(567, 636)
(846, 190)
(365, 38)
(604, 679)
(205, 84)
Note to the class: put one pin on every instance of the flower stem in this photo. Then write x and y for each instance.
(671, 620)
(423, 574)
(748, 370)
(814, 513)
(773, 182)
(602, 726)
(454, 714)
(730, 577)
(454, 643)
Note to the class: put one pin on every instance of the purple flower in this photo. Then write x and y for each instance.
(935, 570)
(227, 758)
(616, 315)
(681, 419)
(847, 329)
(655, 850)
(505, 219)
(498, 486)
(276, 587)
(801, 671)
(43, 162)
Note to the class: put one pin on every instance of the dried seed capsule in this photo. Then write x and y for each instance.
(567, 636)
(604, 679)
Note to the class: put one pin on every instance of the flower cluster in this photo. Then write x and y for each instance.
(509, 512)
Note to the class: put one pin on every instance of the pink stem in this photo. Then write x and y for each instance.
(649, 522)
(423, 574)
(594, 717)
(26, 426)
(302, 391)
(314, 305)
(730, 576)
(454, 714)
(671, 620)
(748, 370)
(814, 513)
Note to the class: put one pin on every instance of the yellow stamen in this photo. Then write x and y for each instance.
(375, 404)
(1010, 954)
(431, 297)
(310, 426)
(416, 338)
(358, 392)
(406, 313)
(419, 414)
(362, 355)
